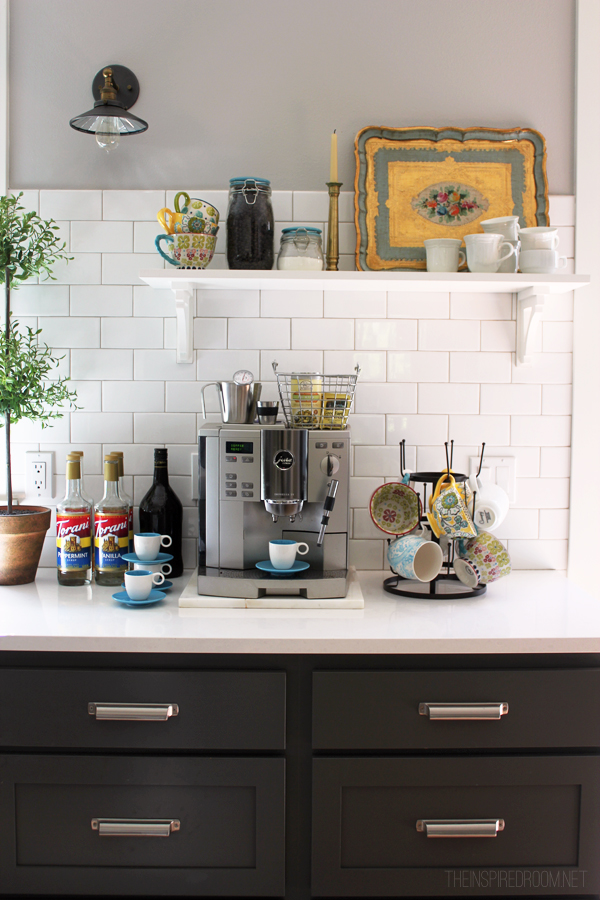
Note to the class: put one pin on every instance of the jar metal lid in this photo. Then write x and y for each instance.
(260, 182)
(306, 228)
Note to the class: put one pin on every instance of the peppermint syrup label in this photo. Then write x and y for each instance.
(73, 542)
(111, 540)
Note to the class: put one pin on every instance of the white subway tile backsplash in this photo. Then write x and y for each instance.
(228, 303)
(367, 429)
(30, 201)
(554, 524)
(557, 399)
(562, 209)
(144, 236)
(498, 337)
(322, 334)
(311, 206)
(173, 427)
(124, 268)
(354, 304)
(343, 362)
(511, 399)
(362, 489)
(538, 554)
(437, 334)
(153, 365)
(519, 524)
(138, 458)
(448, 398)
(82, 268)
(150, 302)
(557, 337)
(185, 396)
(366, 554)
(418, 430)
(95, 365)
(417, 366)
(364, 529)
(415, 305)
(386, 398)
(40, 300)
(476, 429)
(219, 365)
(386, 334)
(254, 334)
(101, 300)
(555, 462)
(71, 332)
(559, 307)
(480, 306)
(135, 333)
(103, 237)
(566, 241)
(210, 334)
(550, 431)
(132, 205)
(376, 461)
(99, 427)
(546, 368)
(71, 205)
(480, 368)
(289, 361)
(295, 304)
(89, 394)
(132, 396)
(543, 493)
(28, 432)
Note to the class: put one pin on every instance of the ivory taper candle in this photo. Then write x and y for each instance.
(333, 169)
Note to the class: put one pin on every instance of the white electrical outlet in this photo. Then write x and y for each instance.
(194, 476)
(39, 473)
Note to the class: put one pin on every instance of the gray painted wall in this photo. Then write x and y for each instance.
(255, 87)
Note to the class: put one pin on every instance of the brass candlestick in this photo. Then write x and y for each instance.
(333, 232)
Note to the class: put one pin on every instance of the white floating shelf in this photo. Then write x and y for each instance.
(531, 291)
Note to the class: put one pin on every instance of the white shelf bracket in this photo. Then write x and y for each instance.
(530, 306)
(184, 296)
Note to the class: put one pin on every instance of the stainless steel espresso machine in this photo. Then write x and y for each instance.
(258, 483)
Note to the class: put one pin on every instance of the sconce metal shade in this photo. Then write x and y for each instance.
(115, 89)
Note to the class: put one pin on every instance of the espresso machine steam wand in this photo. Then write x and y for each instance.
(327, 508)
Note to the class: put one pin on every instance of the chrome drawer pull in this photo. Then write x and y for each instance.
(133, 712)
(464, 711)
(135, 827)
(460, 828)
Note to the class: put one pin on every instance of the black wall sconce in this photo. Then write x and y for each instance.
(115, 90)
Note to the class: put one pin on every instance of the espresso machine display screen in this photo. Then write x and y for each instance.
(239, 447)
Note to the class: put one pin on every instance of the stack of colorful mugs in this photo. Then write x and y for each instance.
(191, 232)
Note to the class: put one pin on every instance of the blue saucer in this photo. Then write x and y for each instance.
(161, 587)
(153, 597)
(161, 558)
(267, 566)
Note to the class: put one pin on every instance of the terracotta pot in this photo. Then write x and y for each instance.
(21, 541)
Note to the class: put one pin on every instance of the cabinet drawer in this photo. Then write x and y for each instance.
(380, 710)
(208, 710)
(228, 836)
(366, 842)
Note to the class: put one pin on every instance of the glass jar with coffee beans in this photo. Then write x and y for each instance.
(250, 224)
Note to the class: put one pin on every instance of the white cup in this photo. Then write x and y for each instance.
(545, 262)
(283, 553)
(443, 254)
(147, 544)
(163, 568)
(483, 251)
(508, 226)
(511, 265)
(491, 504)
(140, 582)
(540, 238)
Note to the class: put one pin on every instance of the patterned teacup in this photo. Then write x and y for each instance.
(395, 508)
(416, 556)
(187, 250)
(194, 225)
(483, 559)
(448, 513)
(193, 206)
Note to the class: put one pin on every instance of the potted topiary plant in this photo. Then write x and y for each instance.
(29, 246)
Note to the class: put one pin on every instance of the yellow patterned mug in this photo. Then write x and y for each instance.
(448, 513)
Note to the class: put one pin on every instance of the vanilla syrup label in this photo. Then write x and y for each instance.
(131, 547)
(111, 541)
(73, 542)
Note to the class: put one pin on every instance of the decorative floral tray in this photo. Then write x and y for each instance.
(417, 183)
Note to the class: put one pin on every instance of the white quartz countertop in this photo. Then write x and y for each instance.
(528, 612)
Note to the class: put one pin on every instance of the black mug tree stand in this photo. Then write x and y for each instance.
(443, 584)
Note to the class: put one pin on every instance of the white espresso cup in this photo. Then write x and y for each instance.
(508, 226)
(545, 262)
(147, 544)
(443, 254)
(140, 582)
(540, 238)
(484, 251)
(491, 504)
(283, 553)
(163, 568)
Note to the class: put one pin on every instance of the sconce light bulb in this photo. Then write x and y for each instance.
(107, 133)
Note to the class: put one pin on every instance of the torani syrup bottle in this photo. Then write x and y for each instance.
(111, 529)
(78, 454)
(74, 531)
(118, 455)
(161, 510)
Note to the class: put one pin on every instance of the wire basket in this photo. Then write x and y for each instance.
(313, 400)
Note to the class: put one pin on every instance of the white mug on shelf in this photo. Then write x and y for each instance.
(543, 237)
(484, 252)
(545, 262)
(508, 226)
(444, 254)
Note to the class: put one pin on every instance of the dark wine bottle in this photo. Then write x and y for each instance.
(161, 510)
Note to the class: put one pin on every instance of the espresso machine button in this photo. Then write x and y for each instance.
(321, 445)
(231, 484)
(231, 459)
(338, 445)
(231, 493)
(247, 493)
(247, 459)
(231, 476)
(330, 465)
(247, 484)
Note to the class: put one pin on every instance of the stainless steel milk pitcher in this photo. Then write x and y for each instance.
(238, 401)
